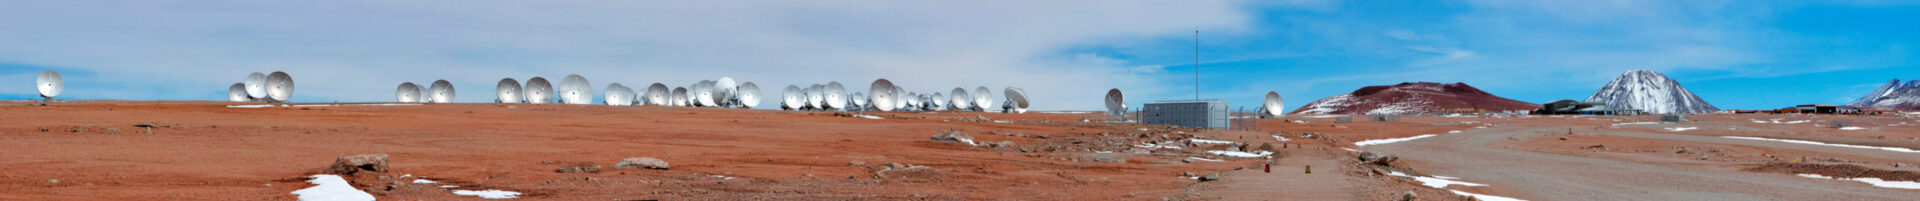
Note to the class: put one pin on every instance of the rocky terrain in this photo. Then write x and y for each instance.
(1651, 92)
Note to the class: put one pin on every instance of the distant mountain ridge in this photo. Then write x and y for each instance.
(1650, 92)
(1895, 95)
(1412, 97)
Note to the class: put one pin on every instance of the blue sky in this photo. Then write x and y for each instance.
(1734, 54)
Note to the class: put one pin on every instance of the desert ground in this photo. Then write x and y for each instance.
(171, 150)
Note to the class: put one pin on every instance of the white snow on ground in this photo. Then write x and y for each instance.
(1350, 149)
(1895, 149)
(1002, 121)
(1682, 129)
(1240, 154)
(489, 194)
(1850, 128)
(1486, 197)
(868, 116)
(449, 186)
(331, 188)
(1206, 141)
(1757, 121)
(1618, 124)
(1434, 181)
(1204, 159)
(1282, 139)
(1157, 146)
(1385, 141)
(1453, 131)
(1875, 181)
(423, 181)
(723, 177)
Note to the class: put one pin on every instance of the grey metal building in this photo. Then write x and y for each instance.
(1192, 113)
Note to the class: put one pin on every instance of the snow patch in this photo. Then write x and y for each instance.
(1205, 159)
(1385, 141)
(1453, 131)
(1282, 139)
(1877, 182)
(868, 116)
(331, 188)
(1206, 141)
(1850, 128)
(1434, 181)
(1682, 129)
(1635, 123)
(423, 181)
(489, 194)
(1894, 149)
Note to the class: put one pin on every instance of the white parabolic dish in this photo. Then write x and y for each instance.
(701, 93)
(1274, 106)
(50, 84)
(508, 91)
(959, 99)
(238, 93)
(440, 91)
(1116, 103)
(881, 93)
(1018, 98)
(982, 99)
(256, 85)
(279, 86)
(659, 94)
(538, 90)
(679, 96)
(790, 98)
(749, 95)
(857, 100)
(407, 93)
(575, 89)
(619, 95)
(836, 95)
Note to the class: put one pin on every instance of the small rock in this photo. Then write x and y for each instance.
(895, 165)
(641, 162)
(1563, 138)
(954, 136)
(1210, 177)
(347, 165)
(53, 181)
(1899, 164)
(581, 167)
(1703, 157)
(1838, 160)
(1408, 196)
(857, 163)
(113, 130)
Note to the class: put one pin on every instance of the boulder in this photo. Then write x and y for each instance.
(1376, 158)
(641, 163)
(1210, 177)
(347, 165)
(581, 167)
(1408, 196)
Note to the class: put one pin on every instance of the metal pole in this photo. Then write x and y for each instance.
(1196, 64)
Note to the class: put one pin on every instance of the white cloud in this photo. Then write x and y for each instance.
(359, 50)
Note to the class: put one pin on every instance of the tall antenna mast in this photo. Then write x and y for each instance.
(1196, 64)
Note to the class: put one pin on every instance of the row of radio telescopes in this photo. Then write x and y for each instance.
(723, 93)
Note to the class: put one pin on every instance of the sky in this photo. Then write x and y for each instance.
(1065, 54)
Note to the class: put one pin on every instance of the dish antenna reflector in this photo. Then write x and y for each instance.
(279, 86)
(238, 93)
(958, 99)
(938, 102)
(748, 95)
(538, 91)
(679, 96)
(408, 93)
(1116, 105)
(902, 99)
(575, 90)
(659, 94)
(440, 91)
(619, 95)
(882, 94)
(508, 91)
(1273, 107)
(724, 91)
(1016, 100)
(816, 96)
(836, 95)
(50, 85)
(982, 99)
(791, 98)
(858, 101)
(915, 99)
(256, 85)
(702, 94)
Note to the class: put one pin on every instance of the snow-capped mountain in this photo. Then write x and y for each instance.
(1650, 92)
(1412, 97)
(1885, 90)
(1898, 99)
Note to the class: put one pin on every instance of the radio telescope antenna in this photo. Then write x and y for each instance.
(238, 93)
(50, 85)
(659, 94)
(836, 96)
(791, 98)
(938, 102)
(508, 91)
(959, 99)
(619, 95)
(538, 91)
(816, 97)
(724, 91)
(408, 93)
(748, 95)
(680, 96)
(858, 101)
(982, 99)
(279, 86)
(1016, 100)
(1116, 105)
(1273, 106)
(575, 89)
(256, 85)
(882, 94)
(440, 91)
